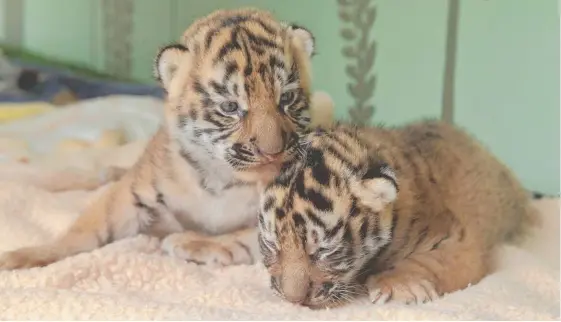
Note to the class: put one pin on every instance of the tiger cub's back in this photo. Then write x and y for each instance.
(444, 168)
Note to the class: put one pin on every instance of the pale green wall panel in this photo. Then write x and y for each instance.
(61, 29)
(410, 59)
(507, 86)
(153, 28)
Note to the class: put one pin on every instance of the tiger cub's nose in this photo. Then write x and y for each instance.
(295, 287)
(270, 152)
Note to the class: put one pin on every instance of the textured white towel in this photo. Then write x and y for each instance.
(133, 280)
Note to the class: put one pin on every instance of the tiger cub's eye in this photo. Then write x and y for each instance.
(229, 107)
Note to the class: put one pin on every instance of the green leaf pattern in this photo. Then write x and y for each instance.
(358, 17)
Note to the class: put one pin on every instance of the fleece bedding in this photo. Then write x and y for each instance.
(133, 280)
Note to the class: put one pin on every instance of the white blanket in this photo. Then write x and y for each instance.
(132, 280)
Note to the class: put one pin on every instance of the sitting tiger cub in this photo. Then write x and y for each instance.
(238, 95)
(406, 214)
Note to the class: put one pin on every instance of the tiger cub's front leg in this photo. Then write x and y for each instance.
(239, 247)
(425, 276)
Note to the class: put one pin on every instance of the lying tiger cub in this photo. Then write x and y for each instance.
(407, 214)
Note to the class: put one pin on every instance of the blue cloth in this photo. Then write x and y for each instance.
(81, 86)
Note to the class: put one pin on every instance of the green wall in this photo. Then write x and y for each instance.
(2, 19)
(507, 64)
(507, 85)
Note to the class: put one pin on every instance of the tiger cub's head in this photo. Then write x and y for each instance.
(324, 217)
(238, 87)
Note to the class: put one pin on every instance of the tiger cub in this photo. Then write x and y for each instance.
(238, 96)
(405, 214)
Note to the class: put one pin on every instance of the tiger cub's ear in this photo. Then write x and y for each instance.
(305, 38)
(377, 187)
(167, 63)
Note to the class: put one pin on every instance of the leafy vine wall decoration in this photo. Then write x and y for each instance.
(358, 17)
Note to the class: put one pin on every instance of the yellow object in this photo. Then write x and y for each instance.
(110, 138)
(72, 145)
(107, 139)
(15, 111)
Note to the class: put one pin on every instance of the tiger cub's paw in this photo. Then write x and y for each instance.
(399, 287)
(206, 250)
(25, 258)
